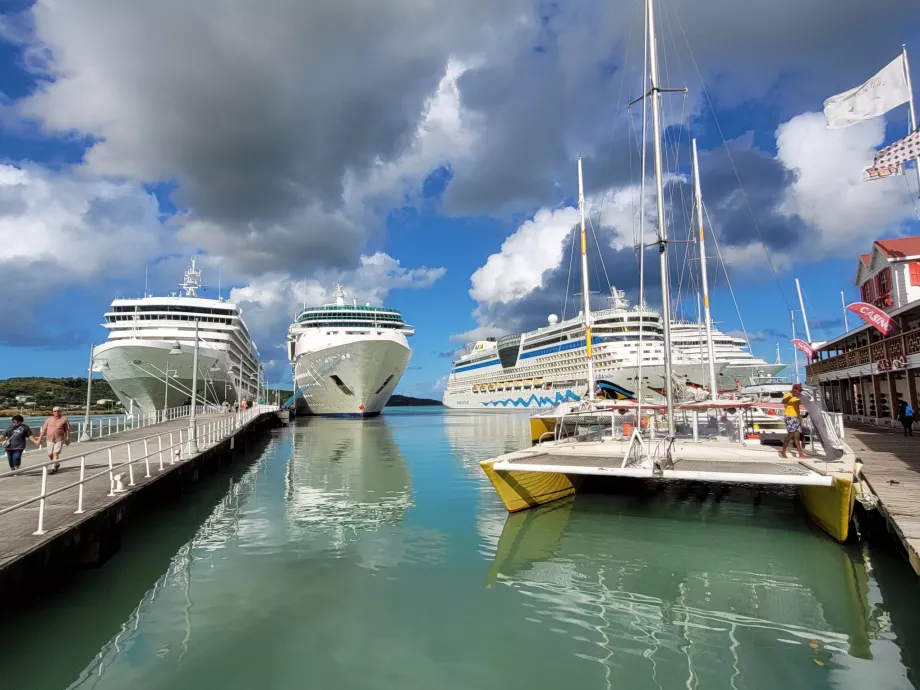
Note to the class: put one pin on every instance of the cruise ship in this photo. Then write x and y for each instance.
(548, 366)
(147, 358)
(348, 358)
(736, 366)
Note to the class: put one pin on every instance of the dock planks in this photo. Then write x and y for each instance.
(892, 469)
(17, 528)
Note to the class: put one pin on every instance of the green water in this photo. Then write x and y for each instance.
(349, 555)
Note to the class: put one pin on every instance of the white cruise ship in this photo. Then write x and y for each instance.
(548, 366)
(151, 337)
(736, 366)
(348, 358)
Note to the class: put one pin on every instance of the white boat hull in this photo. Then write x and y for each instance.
(549, 398)
(353, 378)
(135, 369)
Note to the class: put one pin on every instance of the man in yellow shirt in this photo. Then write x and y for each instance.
(792, 415)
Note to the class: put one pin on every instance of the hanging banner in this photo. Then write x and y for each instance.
(804, 347)
(875, 316)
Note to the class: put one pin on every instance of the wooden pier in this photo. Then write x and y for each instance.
(891, 468)
(78, 527)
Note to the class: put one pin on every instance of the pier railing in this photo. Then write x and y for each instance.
(114, 425)
(151, 454)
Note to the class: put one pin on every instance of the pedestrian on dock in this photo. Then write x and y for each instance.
(906, 417)
(226, 406)
(14, 441)
(57, 429)
(792, 415)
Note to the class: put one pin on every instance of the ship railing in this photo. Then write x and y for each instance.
(110, 426)
(150, 455)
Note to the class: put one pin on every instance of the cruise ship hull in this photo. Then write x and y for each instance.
(135, 369)
(354, 378)
(622, 380)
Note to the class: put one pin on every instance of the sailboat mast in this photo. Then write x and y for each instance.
(662, 218)
(586, 296)
(697, 190)
(798, 288)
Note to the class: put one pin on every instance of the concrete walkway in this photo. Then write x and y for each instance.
(17, 527)
(892, 469)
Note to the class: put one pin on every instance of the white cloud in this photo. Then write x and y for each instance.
(478, 333)
(845, 213)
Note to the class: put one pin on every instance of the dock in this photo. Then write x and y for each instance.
(73, 518)
(891, 468)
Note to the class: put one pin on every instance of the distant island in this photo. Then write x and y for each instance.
(397, 400)
(38, 394)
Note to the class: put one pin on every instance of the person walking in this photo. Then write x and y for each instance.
(14, 441)
(57, 429)
(906, 417)
(792, 415)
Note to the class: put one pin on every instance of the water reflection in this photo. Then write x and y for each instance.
(690, 593)
(345, 475)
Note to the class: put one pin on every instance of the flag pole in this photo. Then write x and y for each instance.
(843, 302)
(912, 125)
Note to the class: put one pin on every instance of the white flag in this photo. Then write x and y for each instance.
(886, 90)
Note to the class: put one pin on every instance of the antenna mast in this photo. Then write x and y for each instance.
(713, 389)
(655, 93)
(586, 296)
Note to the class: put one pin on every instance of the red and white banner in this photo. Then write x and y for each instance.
(875, 316)
(804, 347)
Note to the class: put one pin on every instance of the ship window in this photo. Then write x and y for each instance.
(341, 384)
(382, 385)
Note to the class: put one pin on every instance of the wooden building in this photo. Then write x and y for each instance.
(862, 373)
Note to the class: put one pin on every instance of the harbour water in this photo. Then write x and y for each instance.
(375, 555)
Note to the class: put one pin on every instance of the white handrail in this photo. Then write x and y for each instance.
(218, 431)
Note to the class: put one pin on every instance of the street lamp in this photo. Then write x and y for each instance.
(193, 418)
(87, 435)
(176, 350)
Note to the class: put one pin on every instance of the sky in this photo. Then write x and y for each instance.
(424, 155)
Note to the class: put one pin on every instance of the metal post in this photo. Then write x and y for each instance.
(193, 419)
(172, 454)
(160, 448)
(41, 505)
(795, 350)
(913, 115)
(146, 459)
(110, 426)
(111, 476)
(130, 467)
(843, 303)
(89, 391)
(802, 307)
(713, 387)
(79, 510)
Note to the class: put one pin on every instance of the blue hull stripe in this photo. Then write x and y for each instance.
(478, 365)
(538, 401)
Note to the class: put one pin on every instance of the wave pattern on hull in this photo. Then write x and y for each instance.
(540, 401)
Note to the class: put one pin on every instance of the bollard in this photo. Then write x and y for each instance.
(79, 510)
(119, 484)
(111, 478)
(160, 446)
(130, 467)
(146, 459)
(41, 505)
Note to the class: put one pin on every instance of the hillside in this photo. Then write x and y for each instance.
(397, 400)
(41, 392)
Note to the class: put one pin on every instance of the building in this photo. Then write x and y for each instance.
(865, 374)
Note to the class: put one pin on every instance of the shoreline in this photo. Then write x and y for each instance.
(46, 412)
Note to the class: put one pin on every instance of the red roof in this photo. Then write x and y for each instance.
(899, 248)
(865, 258)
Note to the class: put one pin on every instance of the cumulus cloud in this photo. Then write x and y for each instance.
(61, 230)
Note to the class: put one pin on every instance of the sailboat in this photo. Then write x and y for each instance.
(641, 441)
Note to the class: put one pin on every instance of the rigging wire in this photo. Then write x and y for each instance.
(728, 281)
(744, 194)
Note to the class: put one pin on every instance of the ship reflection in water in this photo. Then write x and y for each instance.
(692, 591)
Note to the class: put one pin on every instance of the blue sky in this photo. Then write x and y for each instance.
(424, 155)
